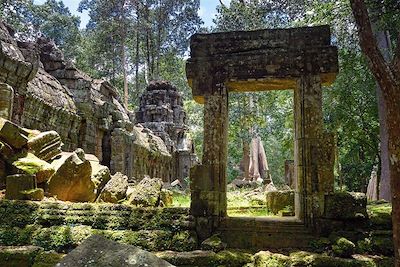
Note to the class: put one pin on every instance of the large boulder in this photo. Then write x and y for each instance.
(115, 189)
(98, 251)
(72, 180)
(280, 200)
(30, 164)
(147, 193)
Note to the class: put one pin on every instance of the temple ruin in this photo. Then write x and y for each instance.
(44, 91)
(301, 59)
(161, 110)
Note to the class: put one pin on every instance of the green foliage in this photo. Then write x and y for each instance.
(51, 19)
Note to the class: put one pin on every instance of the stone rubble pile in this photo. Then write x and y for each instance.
(33, 166)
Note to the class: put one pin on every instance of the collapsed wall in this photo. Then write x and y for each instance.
(50, 93)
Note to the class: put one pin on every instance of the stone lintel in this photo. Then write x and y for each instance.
(261, 70)
(202, 45)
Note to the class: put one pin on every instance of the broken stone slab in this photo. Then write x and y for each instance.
(12, 134)
(146, 193)
(30, 164)
(72, 179)
(115, 189)
(6, 101)
(45, 145)
(98, 251)
(17, 184)
(21, 256)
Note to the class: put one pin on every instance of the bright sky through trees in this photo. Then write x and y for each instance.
(207, 10)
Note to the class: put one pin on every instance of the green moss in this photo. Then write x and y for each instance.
(380, 215)
(56, 238)
(184, 241)
(268, 259)
(233, 258)
(47, 259)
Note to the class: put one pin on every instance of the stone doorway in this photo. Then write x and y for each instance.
(301, 59)
(260, 141)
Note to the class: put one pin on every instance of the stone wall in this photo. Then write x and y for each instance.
(50, 93)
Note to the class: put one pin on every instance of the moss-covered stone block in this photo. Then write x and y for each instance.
(343, 248)
(17, 184)
(213, 243)
(30, 164)
(345, 206)
(36, 194)
(380, 215)
(268, 259)
(47, 259)
(22, 256)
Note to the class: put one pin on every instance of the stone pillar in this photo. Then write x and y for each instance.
(208, 180)
(308, 130)
(6, 101)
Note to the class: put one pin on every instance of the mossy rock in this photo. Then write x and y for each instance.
(47, 259)
(213, 243)
(269, 259)
(343, 248)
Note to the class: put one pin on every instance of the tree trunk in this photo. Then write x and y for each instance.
(137, 48)
(387, 74)
(125, 76)
(384, 177)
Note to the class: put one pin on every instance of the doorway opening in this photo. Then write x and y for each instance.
(260, 165)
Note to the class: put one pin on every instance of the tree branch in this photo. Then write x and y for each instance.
(368, 43)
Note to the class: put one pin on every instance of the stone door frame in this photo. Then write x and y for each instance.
(301, 59)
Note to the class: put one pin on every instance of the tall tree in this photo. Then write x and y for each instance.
(387, 74)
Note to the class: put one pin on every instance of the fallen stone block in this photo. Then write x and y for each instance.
(72, 179)
(30, 164)
(45, 145)
(146, 193)
(16, 184)
(98, 251)
(12, 134)
(115, 189)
